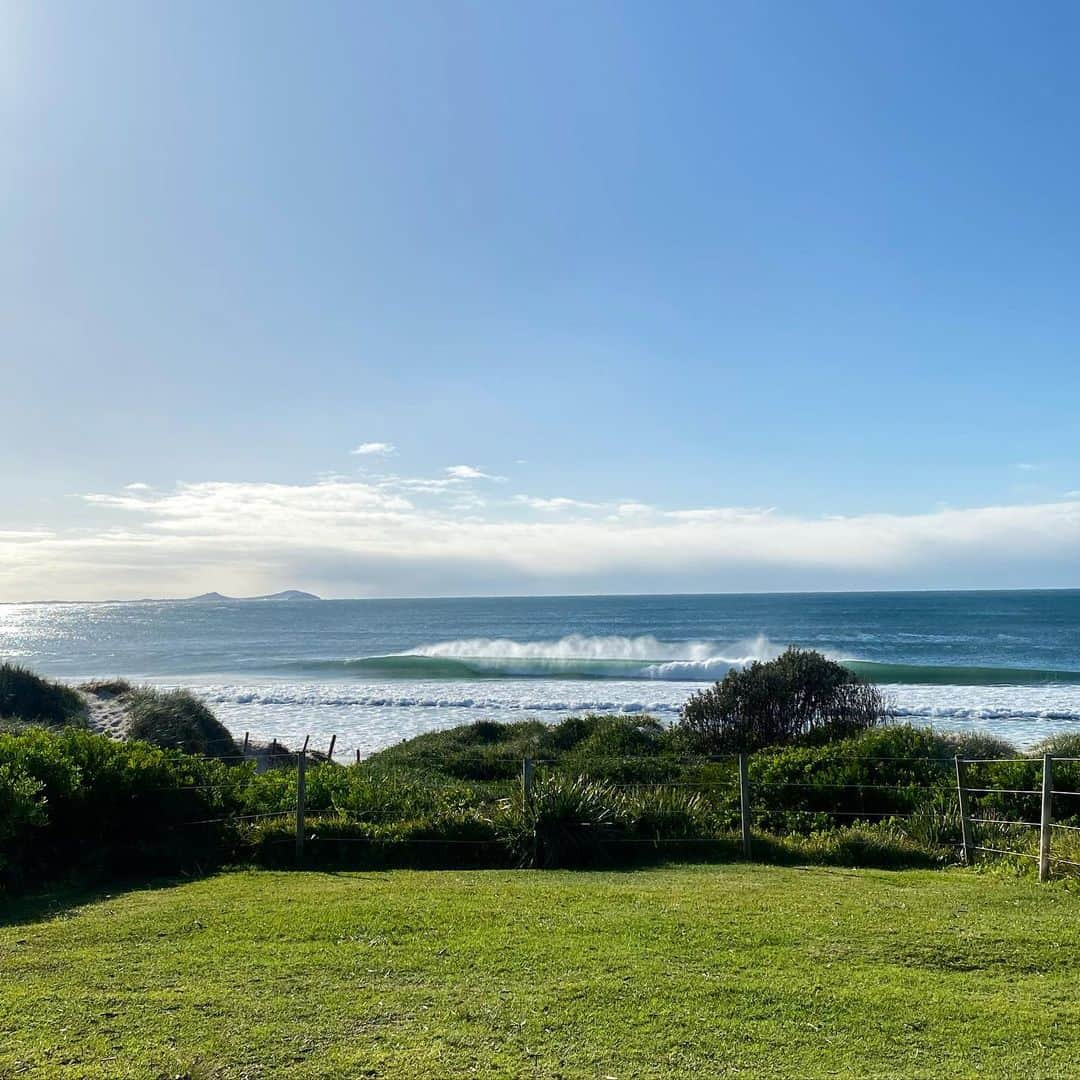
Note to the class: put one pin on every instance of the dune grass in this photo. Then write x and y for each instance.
(670, 972)
(177, 720)
(28, 698)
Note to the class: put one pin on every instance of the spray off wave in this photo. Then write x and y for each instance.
(639, 658)
(573, 657)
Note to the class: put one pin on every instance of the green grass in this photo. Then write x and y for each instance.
(673, 972)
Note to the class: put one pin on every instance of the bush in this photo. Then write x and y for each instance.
(664, 813)
(564, 823)
(112, 808)
(28, 697)
(177, 720)
(800, 696)
(485, 750)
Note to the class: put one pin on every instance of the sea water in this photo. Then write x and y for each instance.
(373, 672)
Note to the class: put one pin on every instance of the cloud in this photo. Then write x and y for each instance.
(468, 472)
(346, 537)
(377, 449)
(137, 487)
(1027, 466)
(558, 502)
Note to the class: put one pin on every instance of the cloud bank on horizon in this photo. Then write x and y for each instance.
(388, 535)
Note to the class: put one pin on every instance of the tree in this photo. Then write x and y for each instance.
(799, 696)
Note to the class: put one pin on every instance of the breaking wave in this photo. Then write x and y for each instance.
(639, 658)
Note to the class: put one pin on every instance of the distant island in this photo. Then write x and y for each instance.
(288, 594)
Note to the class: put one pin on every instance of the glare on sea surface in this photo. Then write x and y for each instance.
(26, 627)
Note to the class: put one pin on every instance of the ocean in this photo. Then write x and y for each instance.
(373, 672)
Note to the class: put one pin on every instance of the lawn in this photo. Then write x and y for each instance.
(672, 972)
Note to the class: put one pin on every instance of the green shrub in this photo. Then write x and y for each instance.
(798, 697)
(177, 720)
(665, 813)
(622, 749)
(485, 750)
(28, 697)
(22, 809)
(113, 807)
(564, 823)
(1063, 744)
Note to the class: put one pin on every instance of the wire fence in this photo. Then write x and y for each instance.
(745, 803)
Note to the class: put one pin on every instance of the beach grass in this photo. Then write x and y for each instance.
(28, 698)
(669, 972)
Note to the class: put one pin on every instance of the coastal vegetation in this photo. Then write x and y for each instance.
(178, 795)
(72, 802)
(26, 698)
(801, 696)
(177, 720)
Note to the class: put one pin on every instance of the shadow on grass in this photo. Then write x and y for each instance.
(350, 855)
(61, 899)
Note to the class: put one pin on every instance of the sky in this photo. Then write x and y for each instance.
(403, 298)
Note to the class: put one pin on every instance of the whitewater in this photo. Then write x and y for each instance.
(374, 672)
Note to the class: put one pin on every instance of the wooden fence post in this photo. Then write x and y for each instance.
(1046, 817)
(330, 752)
(358, 755)
(246, 737)
(526, 781)
(301, 796)
(966, 851)
(744, 801)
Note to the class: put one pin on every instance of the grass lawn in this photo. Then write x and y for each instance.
(674, 972)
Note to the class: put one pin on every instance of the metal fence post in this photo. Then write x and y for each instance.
(330, 752)
(301, 796)
(744, 801)
(1046, 817)
(526, 781)
(966, 851)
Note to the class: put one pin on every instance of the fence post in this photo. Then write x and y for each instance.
(330, 752)
(301, 797)
(358, 755)
(744, 801)
(966, 852)
(526, 780)
(245, 750)
(1046, 817)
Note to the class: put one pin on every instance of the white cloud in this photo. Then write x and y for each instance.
(344, 536)
(137, 487)
(1027, 466)
(555, 503)
(378, 449)
(467, 472)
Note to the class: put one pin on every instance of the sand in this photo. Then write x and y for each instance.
(106, 712)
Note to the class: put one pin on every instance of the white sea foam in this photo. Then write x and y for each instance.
(580, 647)
(368, 716)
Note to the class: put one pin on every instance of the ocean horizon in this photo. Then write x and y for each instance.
(374, 671)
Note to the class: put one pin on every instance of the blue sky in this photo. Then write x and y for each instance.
(775, 265)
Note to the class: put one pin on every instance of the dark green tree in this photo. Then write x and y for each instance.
(799, 697)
